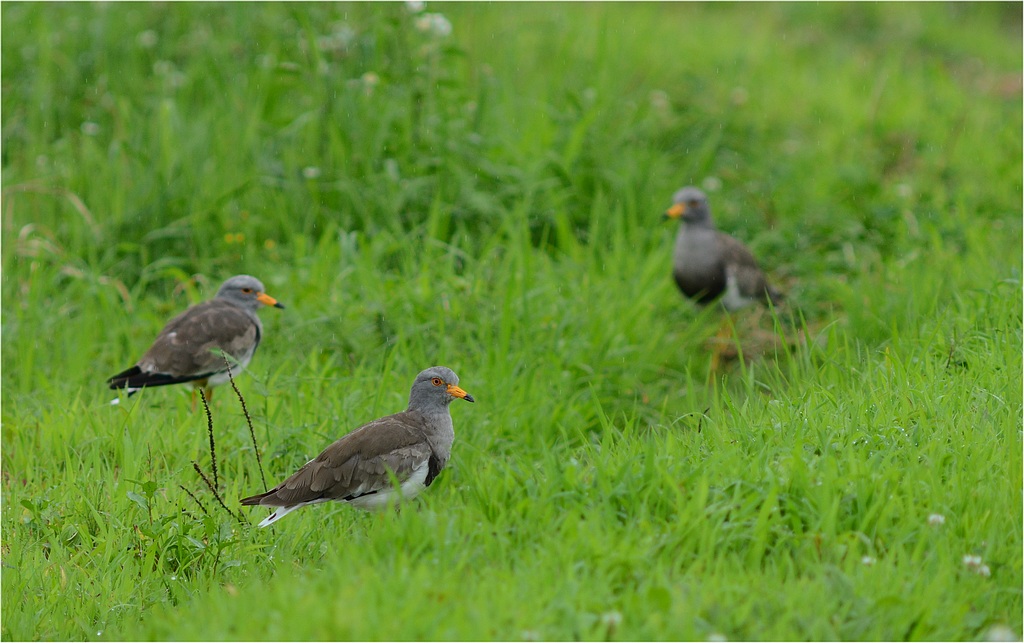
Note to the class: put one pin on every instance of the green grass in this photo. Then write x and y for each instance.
(491, 201)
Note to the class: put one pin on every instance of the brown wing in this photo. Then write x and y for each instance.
(740, 261)
(356, 465)
(185, 347)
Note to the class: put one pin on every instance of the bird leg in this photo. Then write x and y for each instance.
(207, 391)
(716, 350)
(723, 338)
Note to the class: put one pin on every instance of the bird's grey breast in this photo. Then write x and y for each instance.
(696, 263)
(439, 434)
(696, 248)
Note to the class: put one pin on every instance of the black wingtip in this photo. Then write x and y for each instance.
(135, 377)
(123, 379)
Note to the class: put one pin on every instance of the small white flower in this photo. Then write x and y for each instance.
(370, 80)
(904, 190)
(90, 129)
(169, 73)
(442, 27)
(163, 68)
(974, 564)
(936, 519)
(340, 38)
(611, 619)
(435, 24)
(311, 172)
(1000, 633)
(147, 39)
(712, 184)
(659, 100)
(715, 637)
(867, 560)
(415, 6)
(344, 35)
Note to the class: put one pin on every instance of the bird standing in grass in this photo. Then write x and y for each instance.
(407, 449)
(188, 348)
(710, 265)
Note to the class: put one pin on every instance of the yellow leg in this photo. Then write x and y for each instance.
(721, 337)
(208, 392)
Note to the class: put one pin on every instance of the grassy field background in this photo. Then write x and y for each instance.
(489, 199)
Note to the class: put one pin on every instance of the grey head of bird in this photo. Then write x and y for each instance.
(691, 205)
(247, 292)
(435, 388)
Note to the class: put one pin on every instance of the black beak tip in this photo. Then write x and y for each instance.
(469, 398)
(278, 305)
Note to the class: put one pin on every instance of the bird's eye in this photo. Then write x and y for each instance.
(247, 290)
(436, 381)
(692, 203)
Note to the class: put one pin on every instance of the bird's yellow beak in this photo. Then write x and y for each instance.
(455, 391)
(675, 211)
(267, 300)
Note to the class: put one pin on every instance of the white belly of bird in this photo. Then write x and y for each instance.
(409, 489)
(236, 368)
(732, 299)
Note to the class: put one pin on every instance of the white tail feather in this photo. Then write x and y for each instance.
(278, 514)
(130, 392)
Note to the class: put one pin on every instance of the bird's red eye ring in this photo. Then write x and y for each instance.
(437, 381)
